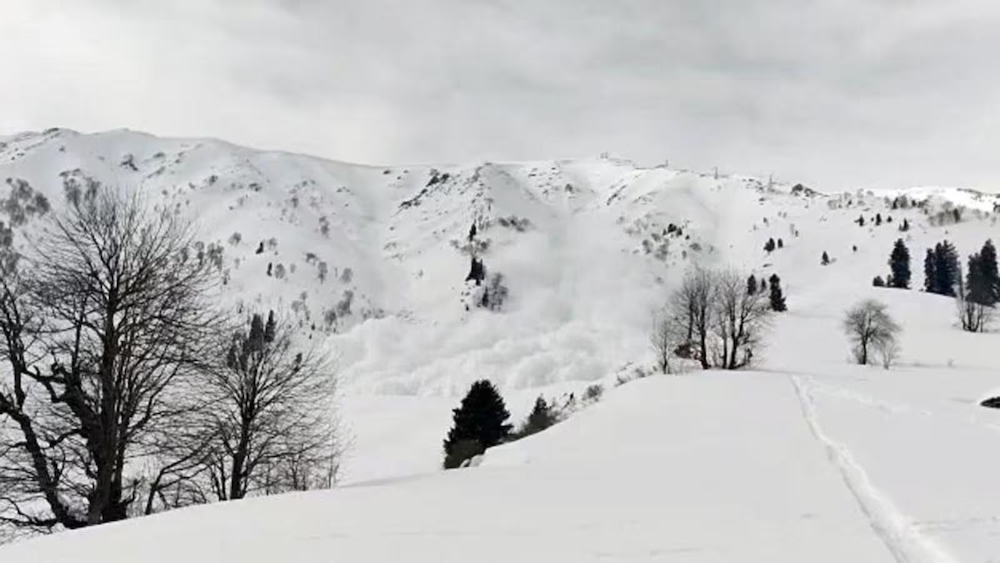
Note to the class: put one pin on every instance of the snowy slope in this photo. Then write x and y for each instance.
(809, 459)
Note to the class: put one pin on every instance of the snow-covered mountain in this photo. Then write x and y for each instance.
(808, 459)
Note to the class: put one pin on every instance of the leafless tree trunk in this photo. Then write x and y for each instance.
(271, 422)
(869, 326)
(98, 324)
(888, 353)
(691, 306)
(740, 320)
(664, 340)
(973, 316)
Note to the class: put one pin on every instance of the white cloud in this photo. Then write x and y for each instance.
(837, 93)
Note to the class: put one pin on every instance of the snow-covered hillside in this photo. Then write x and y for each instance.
(807, 459)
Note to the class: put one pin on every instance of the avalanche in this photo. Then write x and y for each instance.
(806, 459)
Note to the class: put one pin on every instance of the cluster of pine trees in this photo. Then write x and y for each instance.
(480, 422)
(941, 269)
(977, 292)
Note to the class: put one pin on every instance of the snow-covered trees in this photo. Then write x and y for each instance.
(480, 422)
(899, 263)
(871, 330)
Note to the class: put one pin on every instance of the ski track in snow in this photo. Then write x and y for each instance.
(893, 528)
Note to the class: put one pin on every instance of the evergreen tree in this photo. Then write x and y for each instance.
(878, 219)
(480, 422)
(988, 272)
(826, 259)
(899, 262)
(769, 245)
(946, 271)
(752, 285)
(930, 275)
(861, 221)
(905, 226)
(269, 328)
(781, 243)
(542, 416)
(878, 281)
(777, 297)
(977, 285)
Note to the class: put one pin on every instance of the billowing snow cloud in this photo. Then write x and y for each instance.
(837, 93)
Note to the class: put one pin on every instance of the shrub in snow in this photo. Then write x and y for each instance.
(593, 393)
(494, 295)
(477, 271)
(480, 422)
(825, 260)
(344, 305)
(878, 282)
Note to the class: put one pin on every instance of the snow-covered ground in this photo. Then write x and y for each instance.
(807, 459)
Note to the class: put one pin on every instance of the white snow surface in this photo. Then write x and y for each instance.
(808, 458)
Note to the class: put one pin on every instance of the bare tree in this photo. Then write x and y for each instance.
(98, 323)
(973, 315)
(271, 423)
(691, 306)
(717, 318)
(888, 352)
(870, 328)
(740, 320)
(664, 340)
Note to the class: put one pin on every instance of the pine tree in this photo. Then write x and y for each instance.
(976, 284)
(826, 259)
(542, 416)
(777, 297)
(269, 328)
(480, 422)
(878, 219)
(769, 246)
(988, 269)
(752, 285)
(905, 226)
(878, 281)
(861, 221)
(899, 262)
(946, 270)
(781, 243)
(930, 275)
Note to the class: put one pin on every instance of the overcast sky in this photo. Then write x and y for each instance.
(837, 93)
